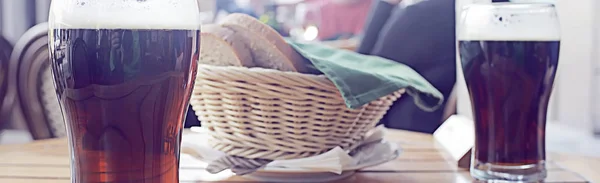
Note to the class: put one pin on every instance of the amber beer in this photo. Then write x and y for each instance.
(509, 54)
(124, 83)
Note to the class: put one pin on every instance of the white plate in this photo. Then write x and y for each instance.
(297, 177)
(260, 176)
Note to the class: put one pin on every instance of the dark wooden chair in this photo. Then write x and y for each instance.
(5, 103)
(35, 88)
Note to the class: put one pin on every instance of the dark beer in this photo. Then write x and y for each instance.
(509, 54)
(124, 95)
(510, 83)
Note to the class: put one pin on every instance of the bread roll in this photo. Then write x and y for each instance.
(221, 46)
(269, 49)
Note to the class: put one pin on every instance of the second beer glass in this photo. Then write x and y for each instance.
(509, 54)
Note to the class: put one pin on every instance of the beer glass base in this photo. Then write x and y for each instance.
(521, 173)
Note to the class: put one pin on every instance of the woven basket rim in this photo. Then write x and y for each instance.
(265, 71)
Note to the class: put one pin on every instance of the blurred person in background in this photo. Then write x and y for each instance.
(338, 19)
(422, 36)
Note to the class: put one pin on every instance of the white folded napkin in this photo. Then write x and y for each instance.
(332, 161)
(335, 161)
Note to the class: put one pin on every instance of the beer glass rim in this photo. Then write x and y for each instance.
(512, 5)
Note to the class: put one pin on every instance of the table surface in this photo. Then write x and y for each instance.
(47, 161)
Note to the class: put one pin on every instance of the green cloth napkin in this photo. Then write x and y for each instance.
(363, 78)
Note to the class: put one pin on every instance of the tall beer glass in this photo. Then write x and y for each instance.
(509, 54)
(123, 72)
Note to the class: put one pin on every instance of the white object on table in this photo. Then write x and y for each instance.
(457, 136)
(15, 137)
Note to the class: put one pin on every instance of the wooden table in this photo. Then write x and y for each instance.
(421, 161)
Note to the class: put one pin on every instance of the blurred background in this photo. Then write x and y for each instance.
(307, 20)
(575, 106)
(300, 19)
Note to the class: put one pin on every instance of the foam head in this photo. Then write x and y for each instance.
(125, 14)
(509, 22)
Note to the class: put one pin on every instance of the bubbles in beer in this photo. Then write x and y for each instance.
(125, 14)
(487, 22)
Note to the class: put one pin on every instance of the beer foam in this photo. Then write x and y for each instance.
(514, 22)
(125, 14)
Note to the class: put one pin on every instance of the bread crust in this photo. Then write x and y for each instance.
(264, 54)
(292, 57)
(228, 37)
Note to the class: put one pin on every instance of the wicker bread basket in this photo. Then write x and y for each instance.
(269, 114)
